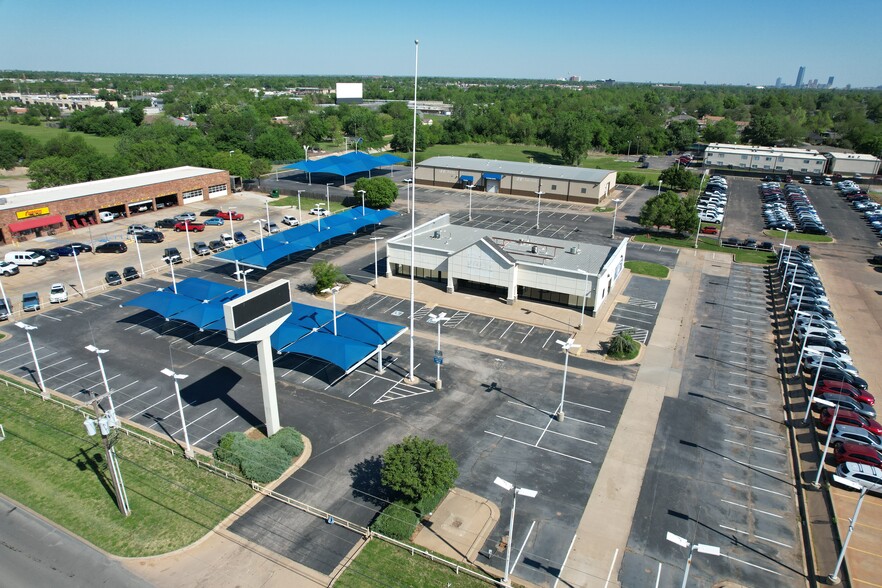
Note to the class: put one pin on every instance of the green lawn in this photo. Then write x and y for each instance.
(526, 153)
(50, 465)
(382, 563)
(647, 268)
(104, 145)
(792, 236)
(706, 244)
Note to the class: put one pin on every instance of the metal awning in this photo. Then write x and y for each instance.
(140, 202)
(36, 222)
(467, 179)
(489, 176)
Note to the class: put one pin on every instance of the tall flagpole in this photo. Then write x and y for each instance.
(410, 375)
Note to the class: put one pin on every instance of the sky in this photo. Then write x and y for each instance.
(747, 42)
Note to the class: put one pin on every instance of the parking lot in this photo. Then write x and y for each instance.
(720, 472)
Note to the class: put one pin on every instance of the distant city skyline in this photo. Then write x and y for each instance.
(639, 41)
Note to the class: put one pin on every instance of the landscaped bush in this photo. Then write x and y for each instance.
(398, 520)
(630, 178)
(623, 346)
(260, 460)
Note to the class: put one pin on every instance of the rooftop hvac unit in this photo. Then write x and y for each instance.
(534, 249)
(436, 235)
(574, 250)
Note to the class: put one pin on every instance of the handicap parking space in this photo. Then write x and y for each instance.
(721, 452)
(639, 314)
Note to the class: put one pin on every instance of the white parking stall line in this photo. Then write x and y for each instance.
(545, 429)
(109, 296)
(739, 398)
(215, 431)
(70, 308)
(557, 231)
(618, 317)
(740, 532)
(394, 305)
(745, 312)
(136, 397)
(191, 422)
(50, 317)
(741, 363)
(146, 320)
(238, 349)
(553, 333)
(184, 326)
(746, 507)
(756, 487)
(621, 304)
(567, 236)
(23, 344)
(46, 367)
(24, 354)
(564, 564)
(68, 383)
(750, 465)
(540, 448)
(64, 372)
(586, 422)
(747, 563)
(487, 325)
(127, 290)
(764, 433)
(757, 448)
(588, 406)
(528, 334)
(152, 405)
(506, 330)
(378, 301)
(359, 388)
(90, 302)
(739, 385)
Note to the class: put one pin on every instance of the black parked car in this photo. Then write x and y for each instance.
(150, 237)
(113, 278)
(72, 249)
(240, 237)
(165, 223)
(130, 273)
(210, 212)
(112, 247)
(47, 253)
(837, 375)
(730, 242)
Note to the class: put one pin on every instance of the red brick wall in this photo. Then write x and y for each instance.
(96, 202)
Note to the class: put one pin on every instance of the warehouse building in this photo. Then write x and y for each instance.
(509, 265)
(751, 157)
(555, 182)
(849, 164)
(27, 215)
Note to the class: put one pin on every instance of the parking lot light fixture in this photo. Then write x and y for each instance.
(798, 305)
(833, 578)
(5, 299)
(411, 376)
(515, 492)
(260, 231)
(266, 205)
(781, 255)
(802, 352)
(76, 256)
(138, 249)
(409, 182)
(699, 547)
(438, 319)
(538, 206)
(376, 266)
(827, 404)
(659, 188)
(299, 210)
(333, 292)
(232, 212)
(566, 345)
(328, 196)
(188, 451)
(171, 266)
(189, 248)
(812, 398)
(99, 353)
(787, 266)
(27, 329)
(785, 238)
(615, 214)
(470, 186)
(244, 274)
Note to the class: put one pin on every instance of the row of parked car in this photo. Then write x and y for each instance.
(858, 198)
(856, 435)
(788, 208)
(712, 204)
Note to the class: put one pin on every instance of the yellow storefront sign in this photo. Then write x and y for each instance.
(32, 212)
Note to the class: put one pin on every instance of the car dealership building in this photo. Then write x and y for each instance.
(26, 215)
(507, 264)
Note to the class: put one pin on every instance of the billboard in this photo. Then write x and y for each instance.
(350, 92)
(257, 314)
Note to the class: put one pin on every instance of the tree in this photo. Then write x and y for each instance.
(327, 275)
(764, 129)
(679, 178)
(378, 192)
(685, 217)
(53, 171)
(570, 135)
(724, 131)
(683, 134)
(418, 468)
(659, 211)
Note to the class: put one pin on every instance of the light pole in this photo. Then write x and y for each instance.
(266, 205)
(188, 451)
(515, 492)
(299, 210)
(817, 482)
(812, 398)
(659, 188)
(781, 256)
(538, 206)
(99, 353)
(411, 379)
(566, 345)
(408, 181)
(470, 186)
(834, 577)
(260, 231)
(333, 292)
(801, 353)
(244, 274)
(328, 196)
(362, 201)
(785, 238)
(306, 158)
(232, 213)
(171, 266)
(189, 248)
(138, 249)
(616, 201)
(787, 266)
(376, 270)
(439, 356)
(798, 305)
(584, 297)
(699, 547)
(6, 302)
(27, 329)
(76, 256)
(629, 149)
(231, 152)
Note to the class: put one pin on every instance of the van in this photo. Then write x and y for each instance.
(25, 258)
(105, 217)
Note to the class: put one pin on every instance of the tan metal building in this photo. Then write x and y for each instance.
(848, 164)
(556, 182)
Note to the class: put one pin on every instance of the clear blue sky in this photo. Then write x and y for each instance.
(751, 41)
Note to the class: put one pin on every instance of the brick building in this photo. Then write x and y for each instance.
(25, 215)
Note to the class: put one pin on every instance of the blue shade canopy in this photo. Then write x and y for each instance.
(206, 315)
(163, 302)
(347, 164)
(201, 290)
(365, 330)
(342, 352)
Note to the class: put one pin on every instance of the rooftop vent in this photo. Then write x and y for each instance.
(574, 250)
(436, 235)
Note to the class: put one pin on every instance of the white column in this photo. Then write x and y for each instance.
(268, 386)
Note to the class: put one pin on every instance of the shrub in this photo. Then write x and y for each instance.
(428, 504)
(290, 440)
(418, 468)
(260, 460)
(264, 462)
(630, 178)
(327, 275)
(398, 520)
(623, 346)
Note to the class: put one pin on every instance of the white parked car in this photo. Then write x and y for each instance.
(867, 476)
(289, 220)
(272, 228)
(57, 293)
(319, 210)
(227, 240)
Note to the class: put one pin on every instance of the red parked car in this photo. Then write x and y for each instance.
(188, 226)
(847, 417)
(857, 453)
(228, 215)
(839, 387)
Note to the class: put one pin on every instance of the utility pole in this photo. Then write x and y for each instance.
(104, 424)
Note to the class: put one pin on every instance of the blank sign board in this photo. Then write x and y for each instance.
(257, 314)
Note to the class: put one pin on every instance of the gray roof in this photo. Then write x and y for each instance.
(45, 195)
(554, 253)
(515, 168)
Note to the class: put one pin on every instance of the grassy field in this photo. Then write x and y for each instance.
(104, 145)
(792, 236)
(647, 268)
(50, 465)
(527, 153)
(388, 565)
(706, 244)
